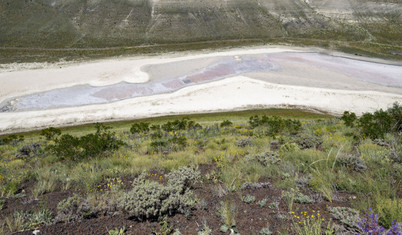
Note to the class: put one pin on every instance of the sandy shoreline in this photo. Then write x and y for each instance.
(308, 82)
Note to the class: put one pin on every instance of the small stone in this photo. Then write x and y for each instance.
(36, 232)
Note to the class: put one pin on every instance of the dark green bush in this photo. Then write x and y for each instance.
(226, 123)
(396, 114)
(349, 118)
(140, 127)
(50, 133)
(183, 124)
(155, 127)
(275, 124)
(13, 139)
(91, 145)
(375, 125)
(66, 146)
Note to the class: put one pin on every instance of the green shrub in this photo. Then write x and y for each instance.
(141, 127)
(50, 133)
(9, 188)
(275, 124)
(349, 118)
(226, 123)
(91, 145)
(67, 146)
(178, 125)
(388, 210)
(396, 114)
(375, 125)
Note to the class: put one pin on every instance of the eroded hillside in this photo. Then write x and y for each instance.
(50, 30)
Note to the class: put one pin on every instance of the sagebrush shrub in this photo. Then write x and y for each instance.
(152, 200)
(308, 140)
(352, 162)
(264, 158)
(72, 208)
(348, 217)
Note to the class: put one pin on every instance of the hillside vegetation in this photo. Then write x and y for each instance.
(359, 26)
(252, 172)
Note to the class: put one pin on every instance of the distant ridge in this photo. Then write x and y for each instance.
(112, 23)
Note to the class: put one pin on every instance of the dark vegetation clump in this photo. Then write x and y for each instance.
(140, 127)
(50, 133)
(226, 123)
(376, 125)
(90, 145)
(183, 124)
(11, 139)
(275, 124)
(152, 200)
(349, 118)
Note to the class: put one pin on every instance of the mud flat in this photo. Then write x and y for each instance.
(129, 88)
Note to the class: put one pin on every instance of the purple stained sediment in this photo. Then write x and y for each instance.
(86, 94)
